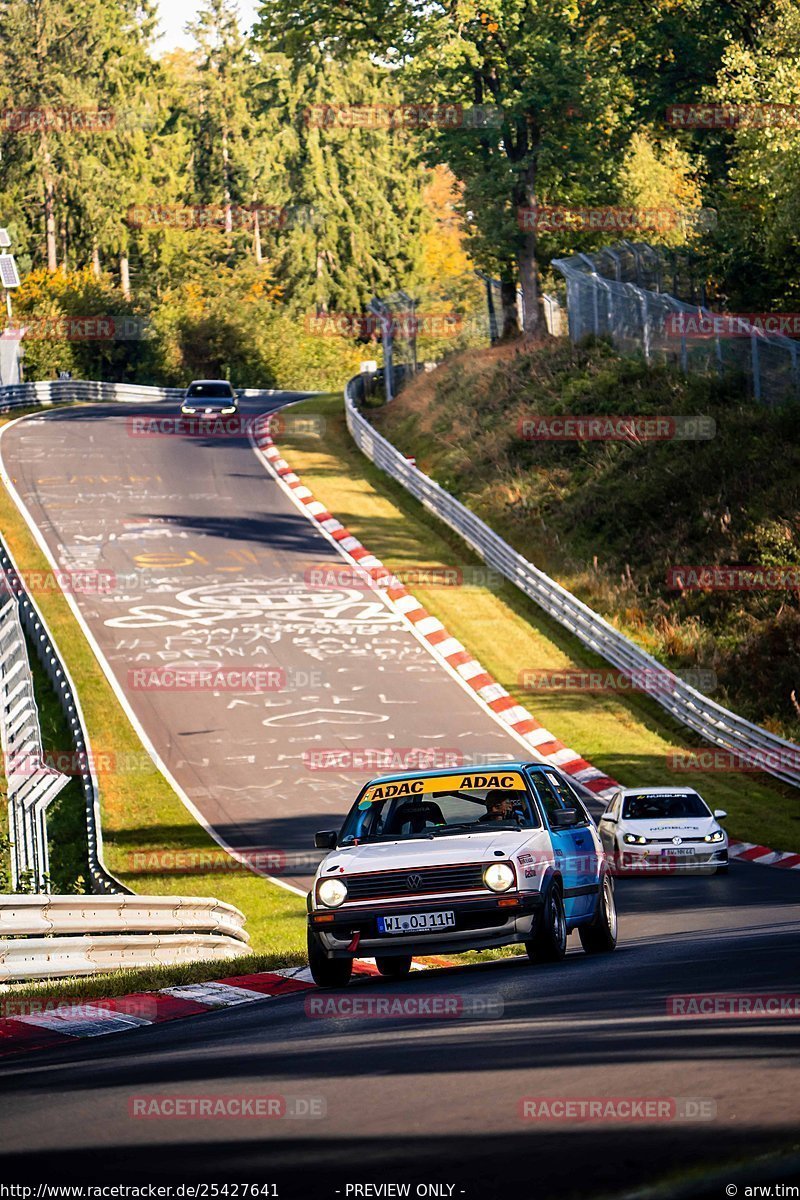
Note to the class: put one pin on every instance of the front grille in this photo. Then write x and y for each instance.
(693, 841)
(381, 885)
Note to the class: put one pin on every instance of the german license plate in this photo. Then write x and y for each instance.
(678, 852)
(416, 922)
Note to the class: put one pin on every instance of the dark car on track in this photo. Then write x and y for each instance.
(209, 397)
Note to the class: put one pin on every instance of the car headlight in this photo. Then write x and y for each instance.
(186, 408)
(634, 839)
(716, 836)
(227, 411)
(331, 892)
(499, 877)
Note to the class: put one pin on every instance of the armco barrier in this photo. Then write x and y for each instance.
(66, 391)
(38, 916)
(34, 624)
(80, 935)
(722, 728)
(31, 785)
(71, 391)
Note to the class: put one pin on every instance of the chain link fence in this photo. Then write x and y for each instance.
(618, 293)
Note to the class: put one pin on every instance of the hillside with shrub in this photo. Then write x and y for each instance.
(611, 520)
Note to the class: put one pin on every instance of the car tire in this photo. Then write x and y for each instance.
(327, 972)
(549, 942)
(600, 937)
(394, 968)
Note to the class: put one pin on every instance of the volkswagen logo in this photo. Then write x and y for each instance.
(414, 882)
(676, 841)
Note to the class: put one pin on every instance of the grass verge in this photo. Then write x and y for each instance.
(140, 811)
(629, 737)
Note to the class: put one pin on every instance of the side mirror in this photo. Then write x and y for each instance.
(564, 818)
(326, 840)
(719, 813)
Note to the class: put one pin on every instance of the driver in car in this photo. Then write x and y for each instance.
(498, 806)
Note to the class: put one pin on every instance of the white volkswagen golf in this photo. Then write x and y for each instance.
(442, 861)
(663, 830)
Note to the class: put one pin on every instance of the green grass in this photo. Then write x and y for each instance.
(630, 738)
(139, 809)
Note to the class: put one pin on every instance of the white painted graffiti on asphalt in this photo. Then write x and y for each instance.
(283, 602)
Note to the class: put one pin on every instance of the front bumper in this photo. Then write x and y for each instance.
(644, 860)
(481, 924)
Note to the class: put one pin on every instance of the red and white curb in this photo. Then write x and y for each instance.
(763, 856)
(430, 630)
(57, 1023)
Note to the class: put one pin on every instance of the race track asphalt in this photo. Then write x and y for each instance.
(221, 557)
(185, 551)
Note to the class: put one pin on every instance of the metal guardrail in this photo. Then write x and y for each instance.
(38, 916)
(64, 391)
(31, 619)
(50, 936)
(51, 958)
(31, 785)
(67, 391)
(751, 744)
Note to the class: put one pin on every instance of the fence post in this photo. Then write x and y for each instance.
(645, 322)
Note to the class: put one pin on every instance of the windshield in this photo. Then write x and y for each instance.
(671, 807)
(209, 391)
(456, 811)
